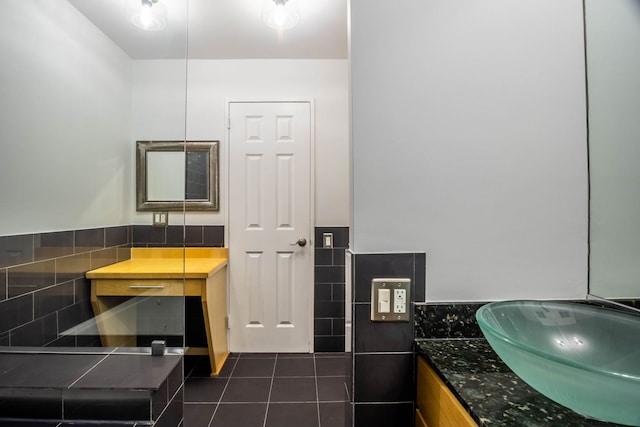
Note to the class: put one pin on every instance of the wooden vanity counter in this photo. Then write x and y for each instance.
(159, 272)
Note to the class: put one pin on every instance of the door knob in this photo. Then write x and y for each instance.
(300, 242)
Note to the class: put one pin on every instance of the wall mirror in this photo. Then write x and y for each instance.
(172, 175)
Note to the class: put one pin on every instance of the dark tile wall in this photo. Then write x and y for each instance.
(43, 288)
(329, 290)
(175, 235)
(383, 357)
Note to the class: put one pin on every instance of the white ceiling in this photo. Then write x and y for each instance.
(225, 29)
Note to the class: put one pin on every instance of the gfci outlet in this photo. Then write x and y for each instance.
(389, 300)
(399, 301)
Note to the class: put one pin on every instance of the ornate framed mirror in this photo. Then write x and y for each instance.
(172, 175)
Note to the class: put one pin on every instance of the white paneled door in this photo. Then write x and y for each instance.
(270, 251)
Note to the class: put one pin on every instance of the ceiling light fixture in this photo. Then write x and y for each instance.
(280, 14)
(150, 15)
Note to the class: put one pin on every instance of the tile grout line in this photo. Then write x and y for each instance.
(223, 390)
(95, 365)
(273, 374)
(170, 400)
(346, 390)
(315, 371)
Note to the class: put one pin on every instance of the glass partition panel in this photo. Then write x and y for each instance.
(81, 82)
(90, 289)
(613, 67)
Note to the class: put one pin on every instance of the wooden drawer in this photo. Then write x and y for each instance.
(436, 403)
(139, 287)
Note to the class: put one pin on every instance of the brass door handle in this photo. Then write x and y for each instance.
(300, 242)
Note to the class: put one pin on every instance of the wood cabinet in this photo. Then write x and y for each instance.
(436, 404)
(155, 272)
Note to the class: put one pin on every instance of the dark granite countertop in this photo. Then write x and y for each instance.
(490, 391)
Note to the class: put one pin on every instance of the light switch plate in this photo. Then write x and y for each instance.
(327, 240)
(160, 219)
(398, 307)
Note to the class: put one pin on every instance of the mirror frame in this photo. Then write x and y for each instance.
(143, 147)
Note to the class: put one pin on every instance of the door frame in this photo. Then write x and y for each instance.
(225, 153)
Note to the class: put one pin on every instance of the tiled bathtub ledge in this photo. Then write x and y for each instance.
(490, 391)
(119, 385)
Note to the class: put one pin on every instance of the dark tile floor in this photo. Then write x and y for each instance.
(269, 390)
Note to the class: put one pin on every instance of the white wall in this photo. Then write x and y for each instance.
(211, 83)
(65, 108)
(469, 143)
(613, 70)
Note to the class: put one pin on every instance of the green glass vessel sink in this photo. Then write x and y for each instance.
(584, 357)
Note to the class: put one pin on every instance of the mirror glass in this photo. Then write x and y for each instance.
(173, 175)
(613, 70)
(165, 181)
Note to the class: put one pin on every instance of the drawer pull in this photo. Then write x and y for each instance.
(146, 287)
